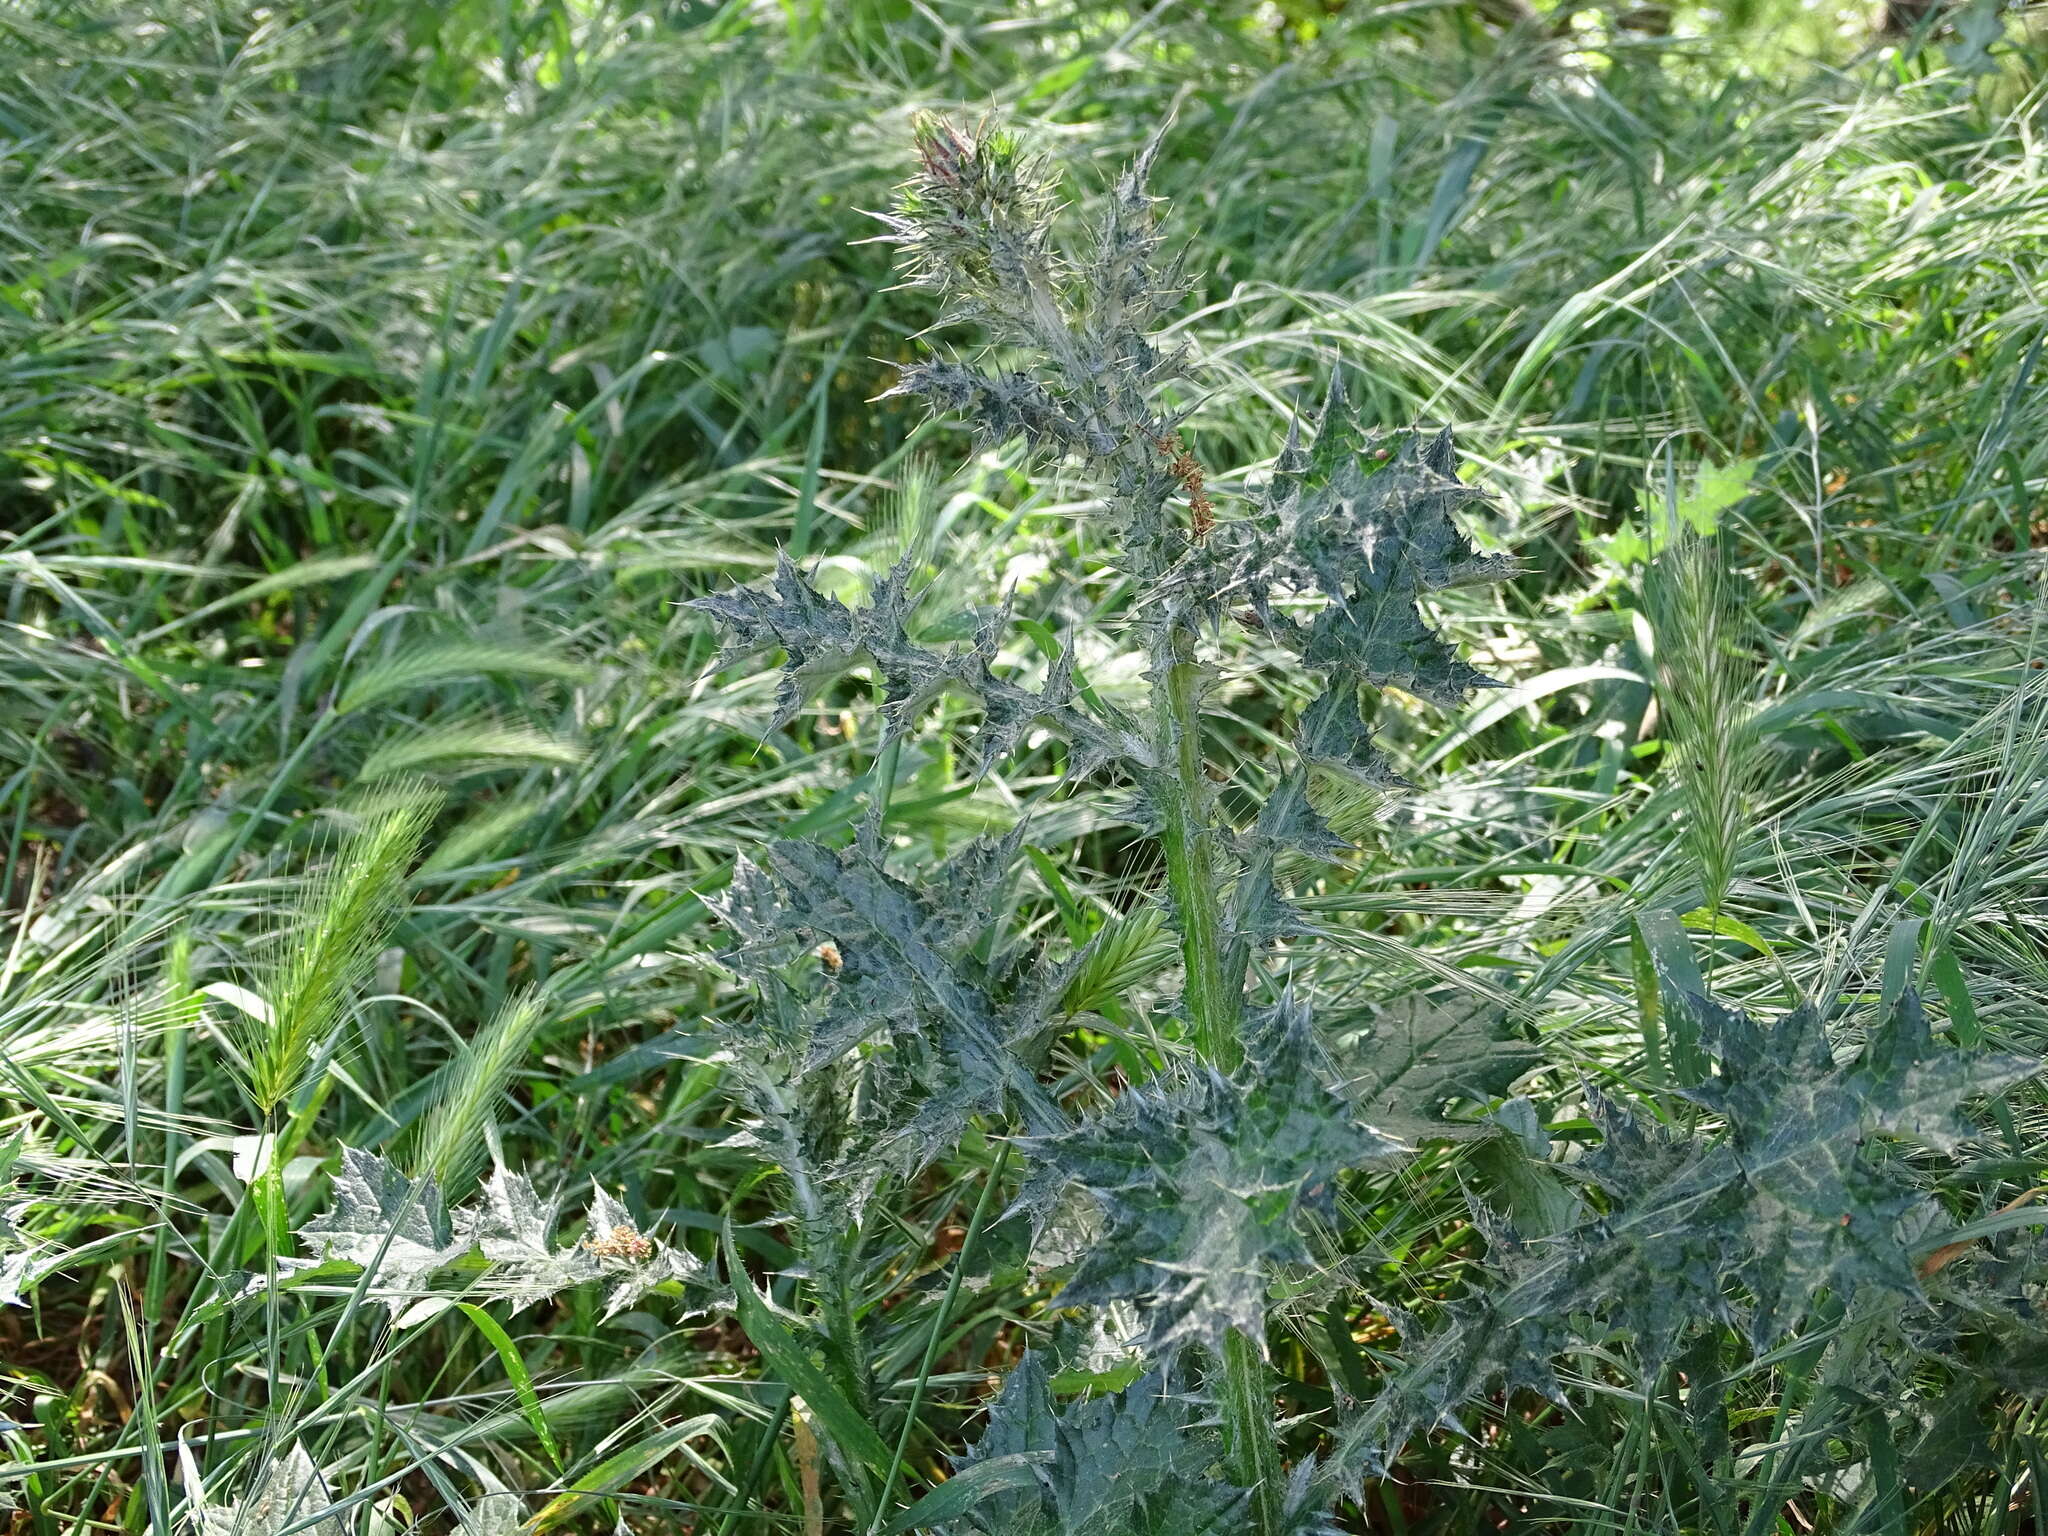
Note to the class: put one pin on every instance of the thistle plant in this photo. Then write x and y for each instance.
(1207, 1179)
(899, 1016)
(379, 1182)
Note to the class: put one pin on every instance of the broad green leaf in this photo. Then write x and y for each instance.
(791, 1362)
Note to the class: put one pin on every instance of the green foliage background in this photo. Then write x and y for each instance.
(377, 381)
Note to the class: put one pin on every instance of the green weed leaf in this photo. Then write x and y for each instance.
(1796, 1198)
(1133, 1463)
(1206, 1185)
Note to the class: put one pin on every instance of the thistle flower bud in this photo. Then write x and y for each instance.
(976, 224)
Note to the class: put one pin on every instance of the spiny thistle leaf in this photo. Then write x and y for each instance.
(1822, 1207)
(1003, 406)
(1369, 546)
(514, 1229)
(1421, 1052)
(1205, 1185)
(392, 1225)
(1362, 549)
(1332, 735)
(822, 638)
(903, 967)
(291, 1497)
(399, 1227)
(1140, 1462)
(514, 1226)
(1331, 738)
(800, 1112)
(1990, 1312)
(1796, 1198)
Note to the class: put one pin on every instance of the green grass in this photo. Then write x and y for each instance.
(377, 380)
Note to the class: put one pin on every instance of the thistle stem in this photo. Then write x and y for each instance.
(1187, 839)
(1250, 1441)
(1214, 1000)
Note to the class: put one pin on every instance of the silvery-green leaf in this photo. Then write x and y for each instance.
(1367, 545)
(383, 1220)
(1979, 27)
(1334, 737)
(1139, 1462)
(822, 638)
(1794, 1198)
(15, 1279)
(512, 1223)
(494, 1514)
(288, 1498)
(258, 1281)
(1205, 1185)
(902, 963)
(514, 1228)
(634, 1262)
(632, 1282)
(1001, 405)
(18, 1252)
(1914, 1088)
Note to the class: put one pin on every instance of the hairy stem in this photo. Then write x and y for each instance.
(1252, 1448)
(1215, 995)
(1187, 838)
